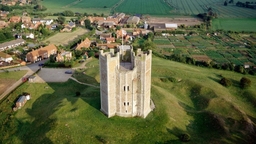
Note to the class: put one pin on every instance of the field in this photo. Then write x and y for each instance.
(224, 48)
(7, 79)
(197, 105)
(65, 37)
(234, 24)
(194, 7)
(151, 7)
(89, 6)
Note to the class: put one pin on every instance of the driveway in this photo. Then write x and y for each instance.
(52, 75)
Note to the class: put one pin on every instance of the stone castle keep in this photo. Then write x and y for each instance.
(125, 82)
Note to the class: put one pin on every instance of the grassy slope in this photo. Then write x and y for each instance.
(197, 104)
(234, 24)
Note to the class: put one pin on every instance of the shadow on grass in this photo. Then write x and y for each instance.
(43, 110)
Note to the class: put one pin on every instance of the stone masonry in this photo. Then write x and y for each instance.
(125, 82)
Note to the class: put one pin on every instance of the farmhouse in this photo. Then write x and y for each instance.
(26, 19)
(64, 56)
(3, 24)
(163, 26)
(110, 40)
(5, 57)
(41, 53)
(84, 44)
(15, 19)
(11, 44)
(44, 21)
(3, 14)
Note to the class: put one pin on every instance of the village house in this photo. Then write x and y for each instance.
(84, 44)
(41, 53)
(5, 57)
(121, 33)
(8, 3)
(68, 27)
(26, 19)
(3, 14)
(64, 56)
(44, 21)
(15, 19)
(108, 46)
(103, 36)
(110, 40)
(3, 24)
(11, 44)
(30, 36)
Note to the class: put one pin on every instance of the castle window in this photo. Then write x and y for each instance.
(124, 88)
(128, 88)
(126, 111)
(124, 103)
(128, 103)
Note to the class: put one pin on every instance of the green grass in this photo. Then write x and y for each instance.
(234, 24)
(152, 7)
(65, 37)
(81, 6)
(197, 105)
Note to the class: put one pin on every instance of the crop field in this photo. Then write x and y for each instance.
(235, 24)
(89, 6)
(192, 103)
(152, 7)
(65, 37)
(221, 49)
(194, 7)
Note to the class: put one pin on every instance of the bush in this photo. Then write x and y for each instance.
(78, 93)
(225, 82)
(185, 137)
(245, 82)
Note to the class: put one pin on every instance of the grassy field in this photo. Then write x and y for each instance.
(9, 78)
(65, 37)
(197, 105)
(234, 24)
(81, 6)
(188, 7)
(152, 7)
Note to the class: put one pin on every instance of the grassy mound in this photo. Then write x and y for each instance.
(191, 106)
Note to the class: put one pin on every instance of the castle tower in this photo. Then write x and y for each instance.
(125, 82)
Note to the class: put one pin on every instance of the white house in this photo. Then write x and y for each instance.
(31, 36)
(45, 21)
(171, 26)
(5, 57)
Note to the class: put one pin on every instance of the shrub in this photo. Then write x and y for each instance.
(78, 93)
(245, 82)
(185, 137)
(225, 82)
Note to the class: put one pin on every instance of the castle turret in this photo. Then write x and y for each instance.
(125, 82)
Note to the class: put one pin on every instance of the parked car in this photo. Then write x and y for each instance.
(68, 72)
(41, 64)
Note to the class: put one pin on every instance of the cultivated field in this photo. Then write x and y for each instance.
(65, 37)
(224, 48)
(194, 7)
(235, 24)
(81, 6)
(152, 7)
(197, 105)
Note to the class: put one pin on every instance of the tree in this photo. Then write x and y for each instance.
(61, 20)
(2, 37)
(87, 24)
(225, 82)
(52, 58)
(245, 82)
(225, 3)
